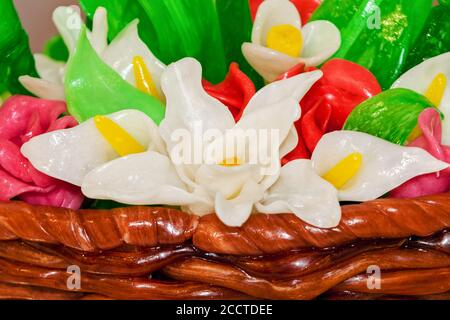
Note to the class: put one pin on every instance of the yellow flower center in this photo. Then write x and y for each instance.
(435, 91)
(286, 39)
(231, 162)
(144, 80)
(121, 141)
(345, 170)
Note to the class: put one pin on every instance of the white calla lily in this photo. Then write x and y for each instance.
(321, 39)
(301, 191)
(119, 54)
(54, 153)
(384, 167)
(421, 79)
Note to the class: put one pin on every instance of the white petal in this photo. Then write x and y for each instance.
(419, 79)
(321, 40)
(301, 191)
(289, 143)
(147, 178)
(69, 23)
(235, 212)
(120, 53)
(384, 167)
(43, 89)
(70, 154)
(49, 69)
(228, 181)
(99, 36)
(270, 64)
(273, 13)
(188, 104)
(295, 88)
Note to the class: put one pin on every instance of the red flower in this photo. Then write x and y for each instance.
(22, 118)
(330, 101)
(235, 91)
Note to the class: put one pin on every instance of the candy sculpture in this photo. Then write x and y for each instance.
(228, 149)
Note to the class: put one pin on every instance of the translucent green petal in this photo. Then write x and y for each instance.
(93, 88)
(391, 115)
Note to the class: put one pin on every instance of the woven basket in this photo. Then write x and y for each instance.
(382, 249)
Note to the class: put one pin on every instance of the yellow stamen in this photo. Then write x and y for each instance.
(345, 170)
(121, 141)
(417, 132)
(144, 80)
(231, 162)
(435, 91)
(286, 39)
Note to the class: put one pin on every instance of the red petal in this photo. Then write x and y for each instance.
(235, 91)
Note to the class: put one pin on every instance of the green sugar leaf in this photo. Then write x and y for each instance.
(392, 115)
(93, 88)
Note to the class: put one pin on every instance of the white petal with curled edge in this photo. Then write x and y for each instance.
(70, 154)
(69, 23)
(120, 53)
(295, 88)
(321, 39)
(147, 178)
(419, 79)
(49, 69)
(300, 191)
(271, 125)
(289, 143)
(188, 105)
(228, 181)
(235, 212)
(99, 35)
(385, 165)
(273, 13)
(270, 64)
(42, 88)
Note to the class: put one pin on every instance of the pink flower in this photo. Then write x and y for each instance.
(22, 118)
(430, 140)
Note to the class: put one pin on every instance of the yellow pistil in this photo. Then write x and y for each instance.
(435, 91)
(144, 80)
(121, 141)
(231, 162)
(345, 170)
(417, 132)
(286, 39)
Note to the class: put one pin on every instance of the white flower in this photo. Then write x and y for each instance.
(431, 78)
(279, 21)
(118, 54)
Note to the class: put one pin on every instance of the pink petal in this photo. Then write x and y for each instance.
(61, 195)
(11, 187)
(430, 140)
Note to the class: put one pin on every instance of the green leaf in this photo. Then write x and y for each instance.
(56, 49)
(15, 55)
(392, 115)
(212, 31)
(380, 33)
(93, 88)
